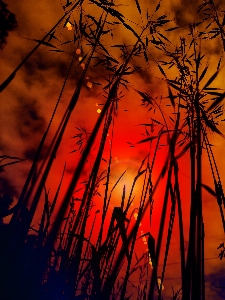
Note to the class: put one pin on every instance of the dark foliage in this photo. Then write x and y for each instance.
(57, 259)
(7, 23)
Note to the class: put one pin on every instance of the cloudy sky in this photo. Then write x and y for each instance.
(29, 100)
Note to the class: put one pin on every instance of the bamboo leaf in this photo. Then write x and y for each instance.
(203, 73)
(218, 66)
(147, 140)
(212, 78)
(146, 124)
(161, 70)
(157, 7)
(138, 6)
(93, 19)
(209, 189)
(176, 87)
(210, 124)
(171, 119)
(164, 37)
(156, 42)
(162, 17)
(56, 50)
(171, 96)
(173, 28)
(145, 96)
(216, 102)
(156, 121)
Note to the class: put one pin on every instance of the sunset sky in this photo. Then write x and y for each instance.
(29, 100)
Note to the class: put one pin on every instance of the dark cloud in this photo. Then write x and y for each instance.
(6, 187)
(185, 11)
(38, 84)
(34, 17)
(30, 152)
(29, 121)
(216, 47)
(216, 283)
(43, 65)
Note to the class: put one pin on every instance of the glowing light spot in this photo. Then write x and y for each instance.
(78, 51)
(161, 286)
(80, 58)
(89, 84)
(83, 65)
(96, 104)
(69, 26)
(87, 78)
(150, 262)
(135, 216)
(140, 224)
(107, 133)
(98, 111)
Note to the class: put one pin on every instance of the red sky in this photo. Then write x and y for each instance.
(27, 104)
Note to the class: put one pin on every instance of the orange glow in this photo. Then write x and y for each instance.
(149, 73)
(69, 26)
(89, 84)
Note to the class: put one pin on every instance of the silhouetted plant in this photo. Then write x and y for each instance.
(60, 259)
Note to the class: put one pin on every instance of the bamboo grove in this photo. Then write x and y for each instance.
(59, 260)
